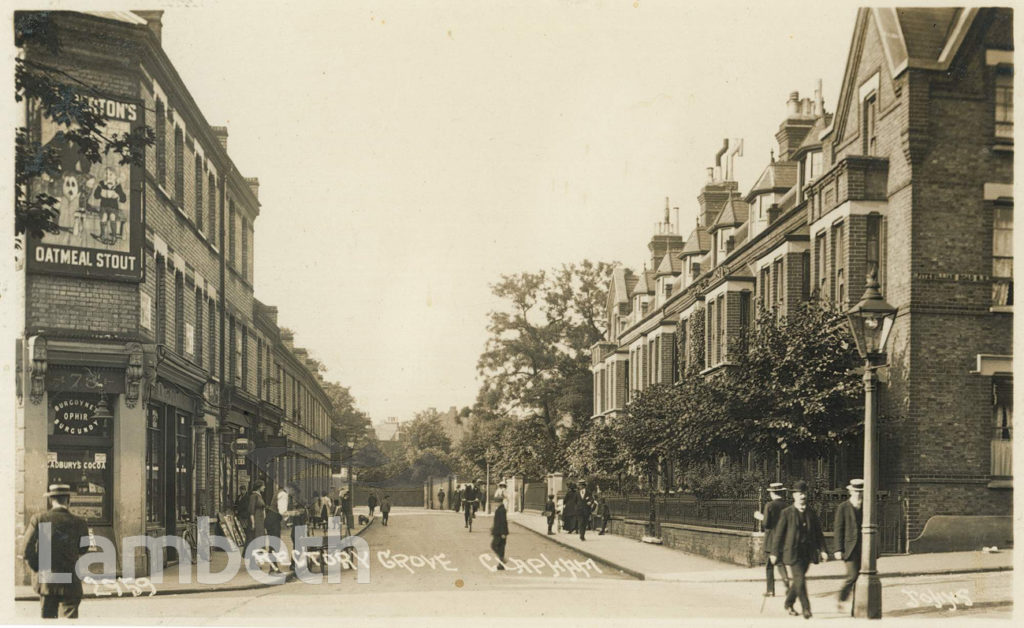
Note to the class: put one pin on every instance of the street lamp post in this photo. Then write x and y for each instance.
(871, 321)
(351, 446)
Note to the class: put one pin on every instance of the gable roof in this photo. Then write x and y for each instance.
(670, 265)
(734, 213)
(778, 176)
(699, 242)
(619, 291)
(919, 37)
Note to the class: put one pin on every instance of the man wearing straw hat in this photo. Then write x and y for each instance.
(59, 533)
(769, 519)
(849, 517)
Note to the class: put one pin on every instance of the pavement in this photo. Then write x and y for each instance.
(646, 561)
(171, 584)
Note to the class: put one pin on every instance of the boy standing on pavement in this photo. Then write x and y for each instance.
(499, 534)
(385, 509)
(605, 512)
(549, 512)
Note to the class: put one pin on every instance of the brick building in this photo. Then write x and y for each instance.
(912, 175)
(146, 365)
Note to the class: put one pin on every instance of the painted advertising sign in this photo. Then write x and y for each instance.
(100, 204)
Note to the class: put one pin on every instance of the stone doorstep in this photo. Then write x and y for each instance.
(24, 593)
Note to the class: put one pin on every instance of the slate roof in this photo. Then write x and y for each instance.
(778, 175)
(734, 213)
(670, 265)
(926, 29)
(698, 243)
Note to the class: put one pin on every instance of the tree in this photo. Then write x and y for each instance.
(795, 388)
(535, 366)
(57, 95)
(426, 432)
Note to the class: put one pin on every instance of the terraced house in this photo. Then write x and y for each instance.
(147, 369)
(911, 176)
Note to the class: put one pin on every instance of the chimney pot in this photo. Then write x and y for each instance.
(711, 174)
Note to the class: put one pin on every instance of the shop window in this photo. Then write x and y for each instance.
(155, 497)
(79, 450)
(1002, 256)
(1004, 102)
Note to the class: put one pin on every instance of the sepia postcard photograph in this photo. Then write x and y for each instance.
(588, 312)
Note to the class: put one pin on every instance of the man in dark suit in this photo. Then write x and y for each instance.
(584, 508)
(798, 542)
(569, 508)
(849, 517)
(499, 534)
(60, 533)
(769, 519)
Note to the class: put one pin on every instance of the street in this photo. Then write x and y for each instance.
(408, 578)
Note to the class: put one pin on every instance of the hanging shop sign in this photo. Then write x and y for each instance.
(99, 204)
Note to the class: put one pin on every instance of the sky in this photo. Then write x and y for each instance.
(411, 153)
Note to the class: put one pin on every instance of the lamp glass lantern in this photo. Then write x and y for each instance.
(871, 320)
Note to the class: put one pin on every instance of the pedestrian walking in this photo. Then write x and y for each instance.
(346, 506)
(58, 532)
(848, 521)
(606, 514)
(584, 508)
(501, 494)
(798, 542)
(549, 512)
(769, 519)
(440, 499)
(499, 534)
(456, 501)
(242, 513)
(385, 509)
(372, 503)
(257, 516)
(273, 522)
(569, 508)
(326, 510)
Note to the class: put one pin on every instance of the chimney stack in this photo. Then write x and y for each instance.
(254, 185)
(154, 21)
(222, 135)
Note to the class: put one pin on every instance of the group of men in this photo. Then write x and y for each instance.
(794, 539)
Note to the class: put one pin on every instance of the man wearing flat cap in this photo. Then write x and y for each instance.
(798, 542)
(849, 517)
(769, 519)
(59, 533)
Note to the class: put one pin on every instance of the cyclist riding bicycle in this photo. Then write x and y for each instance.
(470, 502)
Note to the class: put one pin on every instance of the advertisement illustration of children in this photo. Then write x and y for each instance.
(111, 195)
